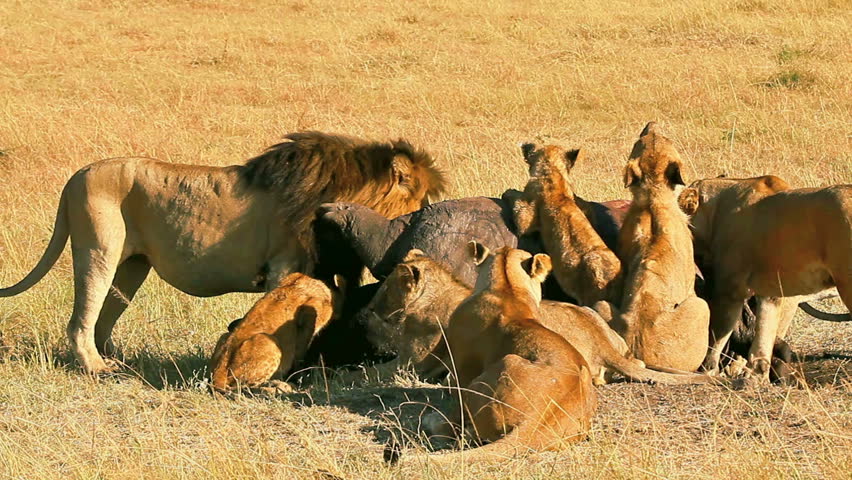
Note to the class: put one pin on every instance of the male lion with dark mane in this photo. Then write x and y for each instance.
(214, 230)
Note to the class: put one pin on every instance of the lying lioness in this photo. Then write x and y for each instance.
(766, 240)
(663, 322)
(523, 386)
(275, 333)
(584, 266)
(413, 306)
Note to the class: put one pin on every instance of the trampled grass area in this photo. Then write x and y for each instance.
(743, 87)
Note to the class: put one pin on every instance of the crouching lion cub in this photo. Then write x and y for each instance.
(523, 387)
(413, 307)
(275, 333)
(584, 266)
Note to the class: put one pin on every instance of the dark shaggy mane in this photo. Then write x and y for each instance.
(310, 168)
(331, 164)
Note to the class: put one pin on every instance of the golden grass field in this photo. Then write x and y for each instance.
(741, 86)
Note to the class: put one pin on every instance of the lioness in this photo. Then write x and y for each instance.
(662, 320)
(210, 230)
(413, 306)
(585, 267)
(764, 239)
(523, 386)
(275, 334)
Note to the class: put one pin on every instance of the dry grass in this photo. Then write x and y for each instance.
(742, 86)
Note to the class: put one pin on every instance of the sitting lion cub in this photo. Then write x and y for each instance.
(523, 386)
(663, 322)
(275, 333)
(585, 267)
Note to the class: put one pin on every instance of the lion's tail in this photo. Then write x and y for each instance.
(634, 370)
(51, 254)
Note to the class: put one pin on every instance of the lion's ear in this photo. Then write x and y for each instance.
(538, 266)
(477, 251)
(234, 324)
(632, 174)
(413, 254)
(673, 175)
(651, 127)
(527, 149)
(573, 156)
(401, 166)
(409, 274)
(688, 200)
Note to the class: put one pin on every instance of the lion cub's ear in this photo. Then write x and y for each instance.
(673, 175)
(651, 127)
(409, 275)
(477, 251)
(632, 174)
(413, 254)
(528, 149)
(538, 266)
(688, 200)
(573, 156)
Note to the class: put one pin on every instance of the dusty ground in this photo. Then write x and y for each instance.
(743, 87)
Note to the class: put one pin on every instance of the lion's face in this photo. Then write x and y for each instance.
(397, 317)
(414, 184)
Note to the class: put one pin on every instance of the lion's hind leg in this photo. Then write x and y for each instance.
(507, 393)
(258, 359)
(128, 278)
(480, 409)
(678, 338)
(97, 244)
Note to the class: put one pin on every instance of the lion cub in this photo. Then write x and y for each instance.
(585, 267)
(275, 333)
(523, 386)
(663, 322)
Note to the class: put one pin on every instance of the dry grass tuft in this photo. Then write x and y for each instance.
(744, 87)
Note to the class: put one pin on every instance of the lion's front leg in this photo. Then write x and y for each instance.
(766, 330)
(725, 312)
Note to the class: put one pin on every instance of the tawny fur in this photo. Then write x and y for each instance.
(762, 238)
(275, 334)
(585, 268)
(524, 387)
(210, 230)
(412, 308)
(662, 320)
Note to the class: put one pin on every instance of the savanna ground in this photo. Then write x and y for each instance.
(742, 86)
